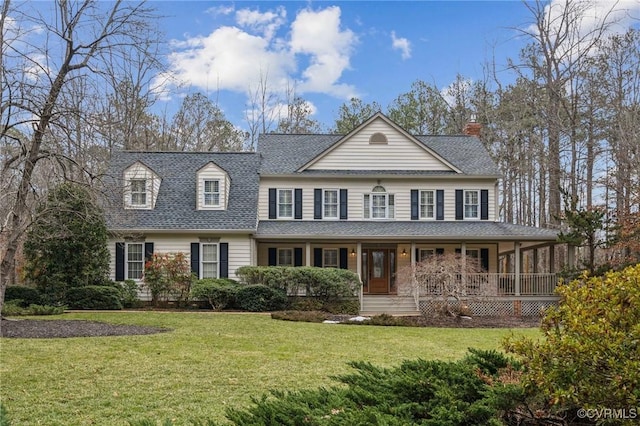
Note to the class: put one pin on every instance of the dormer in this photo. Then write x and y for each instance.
(141, 187)
(212, 188)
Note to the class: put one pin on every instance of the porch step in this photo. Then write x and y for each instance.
(390, 305)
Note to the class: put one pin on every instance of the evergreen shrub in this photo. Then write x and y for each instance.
(220, 293)
(260, 298)
(26, 295)
(94, 297)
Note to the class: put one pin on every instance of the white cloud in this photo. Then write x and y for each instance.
(401, 44)
(266, 23)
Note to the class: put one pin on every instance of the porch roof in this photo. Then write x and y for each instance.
(397, 230)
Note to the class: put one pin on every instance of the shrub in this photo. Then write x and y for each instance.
(350, 306)
(12, 309)
(94, 297)
(260, 298)
(590, 356)
(128, 290)
(302, 316)
(220, 293)
(306, 304)
(168, 274)
(26, 295)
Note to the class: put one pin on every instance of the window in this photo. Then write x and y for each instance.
(285, 203)
(471, 204)
(378, 204)
(427, 204)
(209, 260)
(426, 254)
(285, 257)
(138, 192)
(330, 204)
(135, 261)
(330, 258)
(211, 193)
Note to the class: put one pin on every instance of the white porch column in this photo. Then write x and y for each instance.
(359, 259)
(414, 260)
(517, 258)
(307, 250)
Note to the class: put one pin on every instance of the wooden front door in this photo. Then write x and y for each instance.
(378, 260)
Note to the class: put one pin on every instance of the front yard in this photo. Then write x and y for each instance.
(207, 362)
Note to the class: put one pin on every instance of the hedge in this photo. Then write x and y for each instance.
(94, 297)
(25, 295)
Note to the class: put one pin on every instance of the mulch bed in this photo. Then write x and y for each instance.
(46, 329)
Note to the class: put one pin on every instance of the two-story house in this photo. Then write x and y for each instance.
(373, 201)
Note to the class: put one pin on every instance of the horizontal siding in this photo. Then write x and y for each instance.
(399, 153)
(212, 172)
(357, 187)
(263, 252)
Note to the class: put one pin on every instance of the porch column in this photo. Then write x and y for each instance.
(535, 261)
(552, 258)
(571, 256)
(307, 250)
(463, 254)
(359, 260)
(517, 258)
(413, 253)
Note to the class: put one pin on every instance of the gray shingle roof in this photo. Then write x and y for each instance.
(395, 229)
(176, 203)
(285, 154)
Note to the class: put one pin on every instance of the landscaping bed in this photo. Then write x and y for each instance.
(46, 329)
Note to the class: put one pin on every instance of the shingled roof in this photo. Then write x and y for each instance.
(176, 203)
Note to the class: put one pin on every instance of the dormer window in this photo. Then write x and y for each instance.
(138, 192)
(211, 193)
(378, 138)
(141, 187)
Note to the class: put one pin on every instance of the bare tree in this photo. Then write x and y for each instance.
(262, 110)
(37, 74)
(354, 113)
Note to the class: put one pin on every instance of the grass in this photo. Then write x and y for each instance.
(208, 362)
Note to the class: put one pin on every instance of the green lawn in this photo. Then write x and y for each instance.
(209, 361)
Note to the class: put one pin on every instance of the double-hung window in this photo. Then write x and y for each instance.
(330, 204)
(285, 203)
(209, 260)
(211, 193)
(285, 257)
(426, 254)
(379, 204)
(427, 204)
(138, 188)
(472, 204)
(135, 261)
(330, 258)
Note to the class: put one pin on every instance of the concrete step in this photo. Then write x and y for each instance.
(391, 305)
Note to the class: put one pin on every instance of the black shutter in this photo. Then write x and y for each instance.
(458, 251)
(440, 204)
(414, 204)
(224, 260)
(344, 258)
(439, 252)
(317, 257)
(297, 200)
(148, 251)
(417, 255)
(195, 259)
(459, 205)
(317, 203)
(484, 204)
(297, 256)
(344, 197)
(119, 261)
(273, 203)
(484, 258)
(273, 256)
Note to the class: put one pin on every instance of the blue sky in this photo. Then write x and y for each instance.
(331, 51)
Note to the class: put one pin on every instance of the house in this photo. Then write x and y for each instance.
(373, 201)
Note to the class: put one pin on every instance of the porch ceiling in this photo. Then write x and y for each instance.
(409, 230)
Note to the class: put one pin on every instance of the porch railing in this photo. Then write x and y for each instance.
(487, 285)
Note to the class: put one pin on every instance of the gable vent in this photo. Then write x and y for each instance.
(378, 138)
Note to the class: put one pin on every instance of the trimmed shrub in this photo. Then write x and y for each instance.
(301, 316)
(128, 290)
(220, 293)
(94, 297)
(13, 309)
(260, 298)
(350, 306)
(26, 295)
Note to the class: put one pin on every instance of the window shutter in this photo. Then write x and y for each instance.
(414, 204)
(195, 259)
(224, 260)
(439, 251)
(484, 258)
(272, 203)
(148, 251)
(344, 258)
(459, 205)
(297, 200)
(317, 257)
(366, 204)
(484, 204)
(119, 261)
(344, 197)
(273, 256)
(317, 203)
(417, 255)
(440, 204)
(458, 251)
(297, 256)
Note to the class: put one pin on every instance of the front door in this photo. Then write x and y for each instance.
(378, 271)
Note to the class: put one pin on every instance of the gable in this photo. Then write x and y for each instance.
(212, 173)
(140, 172)
(379, 145)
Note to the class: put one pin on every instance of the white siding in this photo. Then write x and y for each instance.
(357, 187)
(140, 171)
(400, 153)
(212, 172)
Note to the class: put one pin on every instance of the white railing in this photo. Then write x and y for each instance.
(487, 285)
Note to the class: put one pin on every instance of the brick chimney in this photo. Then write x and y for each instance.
(472, 128)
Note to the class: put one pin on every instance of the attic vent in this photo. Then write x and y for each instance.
(378, 138)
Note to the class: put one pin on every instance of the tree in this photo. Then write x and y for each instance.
(421, 111)
(66, 246)
(353, 114)
(76, 41)
(585, 230)
(298, 119)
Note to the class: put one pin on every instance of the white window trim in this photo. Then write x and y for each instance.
(278, 256)
(126, 260)
(324, 212)
(434, 194)
(146, 193)
(205, 193)
(203, 262)
(389, 209)
(293, 203)
(464, 204)
(336, 251)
